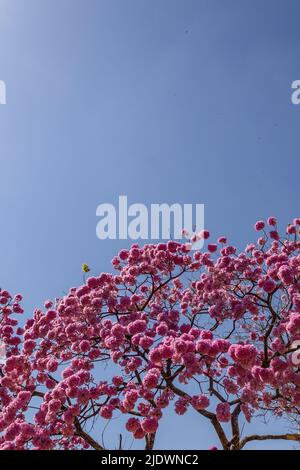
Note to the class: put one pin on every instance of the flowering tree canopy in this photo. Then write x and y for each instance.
(215, 330)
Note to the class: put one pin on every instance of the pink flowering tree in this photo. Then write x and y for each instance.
(216, 331)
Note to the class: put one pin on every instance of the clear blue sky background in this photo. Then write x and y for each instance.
(165, 101)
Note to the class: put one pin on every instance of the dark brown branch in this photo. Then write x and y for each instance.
(80, 432)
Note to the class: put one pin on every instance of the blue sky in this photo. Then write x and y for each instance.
(164, 101)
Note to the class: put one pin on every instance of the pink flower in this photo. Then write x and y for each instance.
(272, 221)
(132, 424)
(68, 417)
(230, 386)
(155, 356)
(291, 229)
(204, 234)
(200, 402)
(162, 329)
(29, 346)
(24, 397)
(48, 304)
(51, 315)
(151, 378)
(54, 405)
(269, 286)
(181, 406)
(203, 346)
(52, 365)
(93, 282)
(146, 342)
(245, 355)
(84, 346)
(285, 274)
(106, 412)
(223, 412)
(274, 234)
(117, 380)
(172, 246)
(260, 225)
(139, 433)
(138, 326)
(293, 326)
(123, 255)
(149, 424)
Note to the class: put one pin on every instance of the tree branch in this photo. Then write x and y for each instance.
(265, 437)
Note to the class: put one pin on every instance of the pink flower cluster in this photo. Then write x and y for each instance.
(223, 412)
